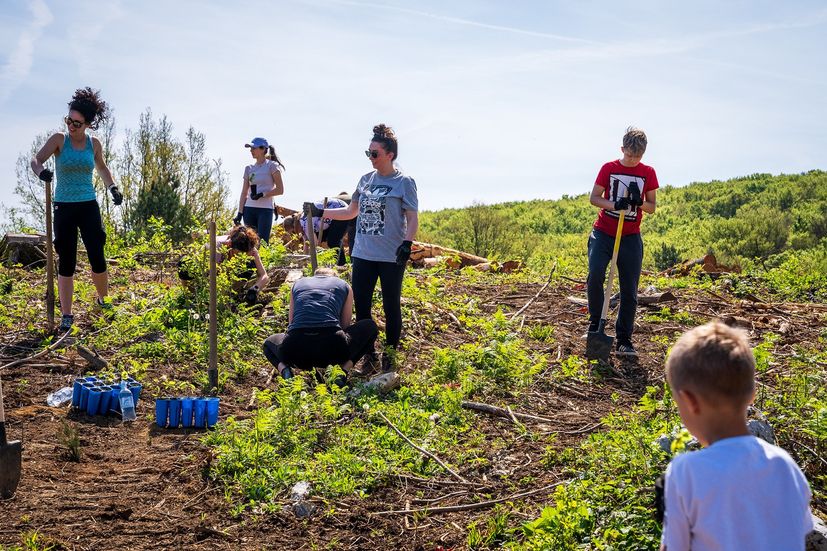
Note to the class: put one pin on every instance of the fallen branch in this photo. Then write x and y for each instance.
(504, 413)
(35, 356)
(421, 450)
(471, 506)
(91, 357)
(532, 299)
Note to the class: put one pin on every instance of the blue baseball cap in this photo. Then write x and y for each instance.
(257, 142)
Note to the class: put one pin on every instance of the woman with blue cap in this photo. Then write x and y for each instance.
(262, 182)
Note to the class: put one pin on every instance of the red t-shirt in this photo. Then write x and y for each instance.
(615, 179)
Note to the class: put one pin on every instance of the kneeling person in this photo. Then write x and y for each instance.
(321, 331)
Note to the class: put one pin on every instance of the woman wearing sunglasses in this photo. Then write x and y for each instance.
(386, 203)
(75, 203)
(262, 182)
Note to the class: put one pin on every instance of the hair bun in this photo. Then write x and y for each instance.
(383, 131)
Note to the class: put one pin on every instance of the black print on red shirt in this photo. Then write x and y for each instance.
(619, 187)
(372, 201)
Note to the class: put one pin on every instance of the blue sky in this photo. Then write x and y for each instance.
(492, 101)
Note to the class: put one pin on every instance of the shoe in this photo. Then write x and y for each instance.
(340, 381)
(66, 322)
(101, 303)
(388, 364)
(626, 349)
(287, 373)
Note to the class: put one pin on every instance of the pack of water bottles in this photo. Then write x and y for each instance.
(98, 396)
(187, 412)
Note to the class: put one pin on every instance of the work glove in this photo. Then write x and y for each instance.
(251, 297)
(403, 253)
(237, 219)
(635, 197)
(622, 203)
(315, 211)
(254, 194)
(117, 196)
(46, 175)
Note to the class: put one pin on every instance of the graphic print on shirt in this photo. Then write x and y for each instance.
(619, 187)
(372, 202)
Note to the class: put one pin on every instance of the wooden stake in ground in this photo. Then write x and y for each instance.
(50, 263)
(321, 221)
(213, 367)
(311, 237)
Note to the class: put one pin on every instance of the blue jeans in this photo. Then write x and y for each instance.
(629, 263)
(260, 219)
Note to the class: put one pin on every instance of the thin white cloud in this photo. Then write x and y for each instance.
(466, 22)
(19, 63)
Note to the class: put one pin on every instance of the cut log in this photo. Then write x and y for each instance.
(421, 251)
(23, 248)
(92, 357)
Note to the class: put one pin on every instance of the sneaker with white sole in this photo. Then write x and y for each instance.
(66, 322)
(626, 349)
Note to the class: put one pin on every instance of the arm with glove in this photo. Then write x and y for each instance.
(105, 174)
(403, 252)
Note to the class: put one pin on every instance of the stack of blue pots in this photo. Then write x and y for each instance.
(97, 396)
(187, 412)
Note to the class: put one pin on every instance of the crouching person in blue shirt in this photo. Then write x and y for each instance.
(321, 331)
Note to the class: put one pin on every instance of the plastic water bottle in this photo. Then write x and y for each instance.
(127, 403)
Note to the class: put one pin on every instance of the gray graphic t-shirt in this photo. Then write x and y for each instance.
(381, 223)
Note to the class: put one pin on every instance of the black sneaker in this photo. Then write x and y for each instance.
(66, 322)
(388, 364)
(340, 381)
(626, 349)
(287, 373)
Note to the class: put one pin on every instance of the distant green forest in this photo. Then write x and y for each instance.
(758, 223)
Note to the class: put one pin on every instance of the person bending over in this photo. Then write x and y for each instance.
(321, 331)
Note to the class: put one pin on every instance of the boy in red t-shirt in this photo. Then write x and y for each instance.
(611, 194)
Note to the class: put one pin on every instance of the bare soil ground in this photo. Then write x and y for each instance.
(140, 487)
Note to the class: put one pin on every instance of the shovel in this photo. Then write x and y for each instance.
(598, 343)
(11, 457)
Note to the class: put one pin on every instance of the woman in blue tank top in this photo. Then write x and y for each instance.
(75, 202)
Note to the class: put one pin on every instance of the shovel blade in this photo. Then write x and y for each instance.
(11, 460)
(598, 345)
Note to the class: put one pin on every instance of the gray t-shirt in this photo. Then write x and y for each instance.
(318, 302)
(262, 176)
(381, 222)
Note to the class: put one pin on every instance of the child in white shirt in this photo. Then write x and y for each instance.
(739, 492)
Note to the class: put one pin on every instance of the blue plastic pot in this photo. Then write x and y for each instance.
(186, 411)
(84, 394)
(93, 401)
(106, 400)
(199, 413)
(161, 409)
(77, 387)
(114, 402)
(212, 411)
(174, 412)
(135, 389)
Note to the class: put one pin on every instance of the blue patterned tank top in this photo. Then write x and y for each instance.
(74, 173)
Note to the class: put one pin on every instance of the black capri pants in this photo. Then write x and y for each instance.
(68, 219)
(321, 346)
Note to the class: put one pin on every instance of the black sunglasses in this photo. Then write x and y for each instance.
(72, 122)
(371, 154)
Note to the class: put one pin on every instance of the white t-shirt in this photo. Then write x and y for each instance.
(262, 176)
(739, 493)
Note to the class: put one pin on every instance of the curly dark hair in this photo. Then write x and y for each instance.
(384, 136)
(88, 103)
(243, 238)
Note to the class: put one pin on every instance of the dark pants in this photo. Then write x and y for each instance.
(629, 262)
(68, 219)
(321, 347)
(260, 219)
(335, 232)
(365, 274)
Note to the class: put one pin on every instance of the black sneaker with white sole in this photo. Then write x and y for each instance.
(626, 349)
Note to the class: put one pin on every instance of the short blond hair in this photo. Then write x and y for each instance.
(634, 141)
(713, 359)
